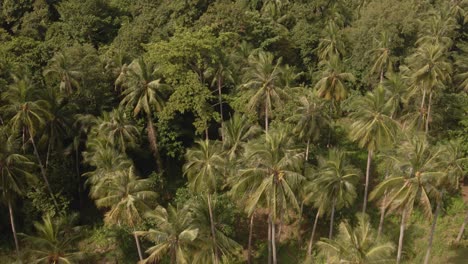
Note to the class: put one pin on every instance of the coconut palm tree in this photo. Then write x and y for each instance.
(411, 182)
(332, 82)
(331, 44)
(201, 219)
(438, 29)
(116, 127)
(430, 71)
(128, 198)
(237, 132)
(66, 71)
(382, 54)
(144, 92)
(335, 183)
(270, 179)
(204, 170)
(452, 159)
(372, 126)
(262, 76)
(173, 234)
(58, 125)
(221, 73)
(357, 245)
(310, 118)
(27, 115)
(397, 93)
(55, 241)
(14, 175)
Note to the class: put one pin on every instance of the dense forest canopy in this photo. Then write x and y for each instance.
(233, 131)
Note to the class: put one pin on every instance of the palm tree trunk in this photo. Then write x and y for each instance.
(382, 215)
(421, 119)
(78, 175)
(431, 237)
(428, 112)
(299, 223)
(273, 241)
(332, 219)
(366, 187)
(48, 153)
(269, 240)
(381, 75)
(249, 249)
(462, 228)
(153, 142)
(213, 233)
(43, 172)
(402, 233)
(220, 99)
(307, 150)
(137, 241)
(329, 129)
(266, 117)
(13, 229)
(311, 241)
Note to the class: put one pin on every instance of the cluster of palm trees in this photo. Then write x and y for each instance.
(266, 172)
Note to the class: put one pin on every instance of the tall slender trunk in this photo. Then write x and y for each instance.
(402, 233)
(307, 150)
(381, 75)
(332, 219)
(299, 222)
(152, 137)
(220, 99)
(329, 129)
(213, 233)
(431, 237)
(421, 118)
(13, 229)
(249, 249)
(382, 215)
(428, 112)
(273, 240)
(269, 239)
(44, 174)
(48, 153)
(382, 210)
(266, 116)
(311, 241)
(462, 228)
(137, 241)
(78, 175)
(366, 187)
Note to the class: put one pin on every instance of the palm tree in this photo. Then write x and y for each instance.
(107, 162)
(58, 125)
(382, 54)
(143, 91)
(461, 66)
(270, 179)
(331, 44)
(263, 76)
(439, 29)
(397, 93)
(14, 175)
(116, 127)
(237, 131)
(27, 115)
(173, 234)
(55, 241)
(452, 159)
(430, 70)
(334, 182)
(310, 118)
(357, 245)
(66, 71)
(201, 219)
(417, 167)
(204, 170)
(331, 85)
(221, 72)
(128, 198)
(372, 127)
